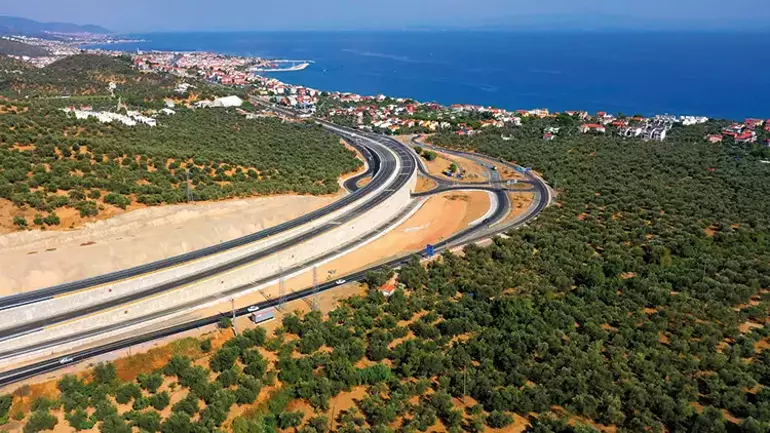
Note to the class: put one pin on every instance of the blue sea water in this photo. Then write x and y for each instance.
(723, 75)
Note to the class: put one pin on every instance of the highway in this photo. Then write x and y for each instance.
(373, 163)
(466, 236)
(379, 165)
(407, 167)
(379, 177)
(234, 292)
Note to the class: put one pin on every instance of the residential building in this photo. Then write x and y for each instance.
(631, 131)
(592, 127)
(746, 137)
(582, 115)
(692, 120)
(714, 138)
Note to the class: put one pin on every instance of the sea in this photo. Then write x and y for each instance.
(722, 75)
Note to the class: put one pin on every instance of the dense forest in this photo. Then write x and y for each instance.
(49, 159)
(639, 301)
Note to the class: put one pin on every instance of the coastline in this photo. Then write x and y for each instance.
(542, 70)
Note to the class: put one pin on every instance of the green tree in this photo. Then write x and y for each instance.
(40, 420)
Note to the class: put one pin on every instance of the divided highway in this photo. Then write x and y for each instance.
(374, 159)
(381, 154)
(384, 161)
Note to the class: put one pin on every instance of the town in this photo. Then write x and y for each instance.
(375, 113)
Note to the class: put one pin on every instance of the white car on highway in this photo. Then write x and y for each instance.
(340, 281)
(65, 360)
(252, 309)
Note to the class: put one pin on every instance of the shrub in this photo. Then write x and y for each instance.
(20, 221)
(114, 424)
(206, 345)
(40, 420)
(160, 400)
(5, 407)
(225, 323)
(52, 219)
(498, 419)
(129, 391)
(118, 200)
(150, 382)
(44, 404)
(79, 420)
(105, 374)
(189, 405)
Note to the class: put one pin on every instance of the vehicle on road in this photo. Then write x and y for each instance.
(340, 281)
(252, 309)
(66, 360)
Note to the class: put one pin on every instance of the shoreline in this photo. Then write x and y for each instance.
(590, 100)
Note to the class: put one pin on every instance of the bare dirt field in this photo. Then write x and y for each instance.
(510, 174)
(35, 259)
(473, 171)
(424, 184)
(440, 217)
(520, 202)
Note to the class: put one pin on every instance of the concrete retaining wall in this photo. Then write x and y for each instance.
(118, 289)
(209, 290)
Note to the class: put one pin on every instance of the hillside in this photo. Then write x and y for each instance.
(23, 26)
(49, 160)
(639, 302)
(16, 48)
(89, 75)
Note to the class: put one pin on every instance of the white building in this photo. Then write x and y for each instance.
(228, 101)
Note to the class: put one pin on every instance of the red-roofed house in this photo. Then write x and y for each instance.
(754, 123)
(767, 125)
(388, 288)
(734, 130)
(714, 138)
(592, 127)
(548, 136)
(746, 137)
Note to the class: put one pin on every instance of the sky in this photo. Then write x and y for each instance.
(240, 15)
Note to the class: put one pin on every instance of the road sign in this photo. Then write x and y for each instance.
(430, 250)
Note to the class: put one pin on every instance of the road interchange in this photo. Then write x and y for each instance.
(378, 164)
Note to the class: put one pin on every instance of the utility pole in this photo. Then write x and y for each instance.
(314, 298)
(281, 290)
(232, 304)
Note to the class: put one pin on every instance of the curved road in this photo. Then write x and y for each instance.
(61, 289)
(472, 234)
(407, 167)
